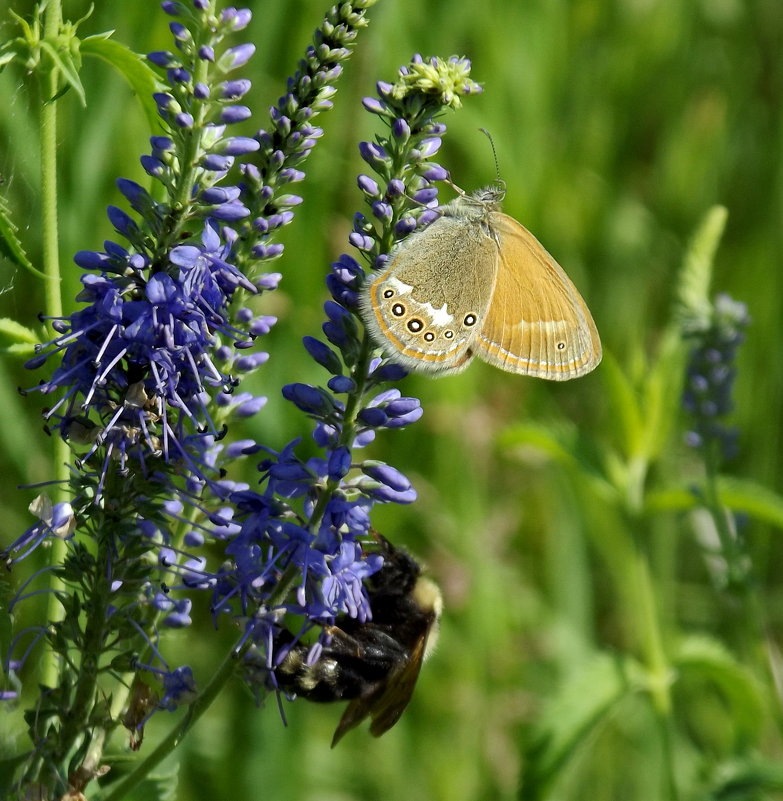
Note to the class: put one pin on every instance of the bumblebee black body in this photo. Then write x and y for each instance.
(373, 664)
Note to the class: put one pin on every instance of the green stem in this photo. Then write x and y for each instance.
(658, 670)
(731, 551)
(751, 627)
(49, 84)
(92, 648)
(647, 617)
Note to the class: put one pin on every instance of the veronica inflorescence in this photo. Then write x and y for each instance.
(303, 548)
(147, 368)
(709, 377)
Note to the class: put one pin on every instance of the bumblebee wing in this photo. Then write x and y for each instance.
(387, 700)
(398, 692)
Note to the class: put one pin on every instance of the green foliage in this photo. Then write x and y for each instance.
(10, 246)
(587, 650)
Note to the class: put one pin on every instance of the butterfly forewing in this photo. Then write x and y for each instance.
(537, 323)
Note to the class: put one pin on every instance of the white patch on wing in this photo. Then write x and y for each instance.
(440, 317)
(401, 287)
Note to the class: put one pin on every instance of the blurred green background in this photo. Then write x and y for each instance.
(618, 124)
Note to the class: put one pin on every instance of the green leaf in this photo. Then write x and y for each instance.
(707, 660)
(572, 716)
(10, 51)
(159, 785)
(623, 405)
(756, 500)
(558, 443)
(749, 779)
(131, 66)
(693, 289)
(7, 773)
(662, 389)
(18, 337)
(10, 246)
(740, 495)
(6, 594)
(69, 70)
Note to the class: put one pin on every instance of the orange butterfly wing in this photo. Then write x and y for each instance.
(537, 322)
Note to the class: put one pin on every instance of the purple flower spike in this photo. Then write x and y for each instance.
(147, 388)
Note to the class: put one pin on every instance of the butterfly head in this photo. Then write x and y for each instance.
(491, 195)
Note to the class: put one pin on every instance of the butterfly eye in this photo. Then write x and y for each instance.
(398, 310)
(414, 325)
(470, 320)
(448, 334)
(561, 345)
(429, 336)
(388, 293)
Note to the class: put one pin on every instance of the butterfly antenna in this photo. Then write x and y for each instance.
(494, 153)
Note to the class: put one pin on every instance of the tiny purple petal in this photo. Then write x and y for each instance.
(405, 226)
(387, 475)
(91, 260)
(375, 106)
(383, 211)
(240, 145)
(152, 166)
(251, 361)
(217, 163)
(235, 89)
(405, 419)
(120, 220)
(373, 416)
(236, 56)
(401, 130)
(373, 153)
(339, 463)
(180, 75)
(368, 186)
(341, 383)
(434, 172)
(162, 58)
(262, 324)
(361, 241)
(231, 114)
(230, 212)
(161, 143)
(395, 188)
(251, 407)
(426, 195)
(236, 18)
(430, 146)
(242, 447)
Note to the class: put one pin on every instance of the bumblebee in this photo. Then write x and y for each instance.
(373, 664)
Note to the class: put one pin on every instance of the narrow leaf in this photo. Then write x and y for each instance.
(65, 64)
(14, 335)
(740, 495)
(10, 246)
(624, 405)
(131, 66)
(693, 290)
(706, 660)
